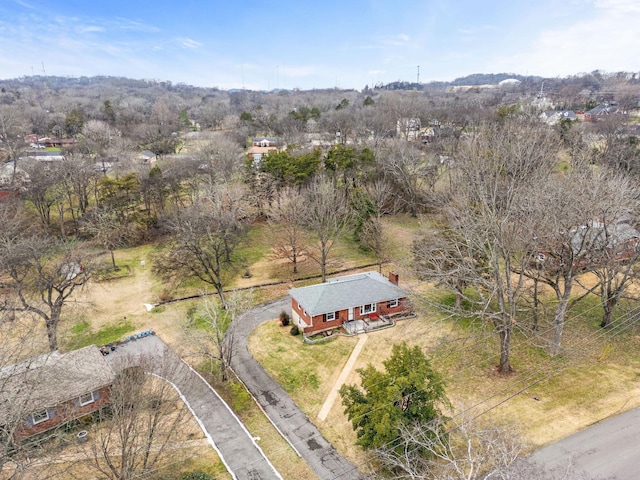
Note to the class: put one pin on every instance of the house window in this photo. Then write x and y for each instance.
(393, 303)
(87, 398)
(39, 417)
(369, 308)
(328, 317)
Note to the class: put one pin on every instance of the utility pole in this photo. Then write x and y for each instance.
(418, 81)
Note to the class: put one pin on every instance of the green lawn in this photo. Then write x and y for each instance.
(82, 334)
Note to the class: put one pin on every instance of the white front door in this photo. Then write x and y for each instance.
(350, 314)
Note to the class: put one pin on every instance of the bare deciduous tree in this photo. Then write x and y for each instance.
(13, 128)
(210, 333)
(327, 214)
(41, 275)
(582, 235)
(205, 236)
(497, 169)
(410, 172)
(146, 414)
(468, 451)
(286, 217)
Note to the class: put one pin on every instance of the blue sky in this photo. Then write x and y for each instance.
(287, 44)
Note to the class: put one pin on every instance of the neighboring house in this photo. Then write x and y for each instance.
(266, 142)
(601, 111)
(146, 157)
(45, 392)
(58, 142)
(553, 117)
(256, 153)
(7, 178)
(408, 127)
(361, 296)
(595, 244)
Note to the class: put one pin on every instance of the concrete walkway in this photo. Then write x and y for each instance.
(292, 423)
(333, 394)
(227, 435)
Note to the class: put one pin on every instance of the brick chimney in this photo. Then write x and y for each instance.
(393, 278)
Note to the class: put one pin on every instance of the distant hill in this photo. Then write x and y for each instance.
(473, 79)
(491, 78)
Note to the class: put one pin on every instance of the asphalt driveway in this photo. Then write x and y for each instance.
(238, 450)
(292, 423)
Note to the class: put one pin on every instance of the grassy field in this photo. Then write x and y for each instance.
(574, 389)
(598, 374)
(545, 398)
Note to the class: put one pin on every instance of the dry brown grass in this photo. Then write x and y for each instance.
(574, 398)
(601, 384)
(183, 457)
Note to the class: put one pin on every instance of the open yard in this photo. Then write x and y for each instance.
(545, 398)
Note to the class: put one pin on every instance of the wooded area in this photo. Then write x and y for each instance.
(519, 215)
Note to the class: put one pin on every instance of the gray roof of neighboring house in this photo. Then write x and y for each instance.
(48, 380)
(345, 292)
(597, 235)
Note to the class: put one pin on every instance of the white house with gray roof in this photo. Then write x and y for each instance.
(358, 297)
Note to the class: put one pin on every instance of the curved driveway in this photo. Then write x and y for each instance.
(292, 423)
(226, 434)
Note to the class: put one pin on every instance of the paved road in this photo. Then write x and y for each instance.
(281, 410)
(607, 450)
(237, 449)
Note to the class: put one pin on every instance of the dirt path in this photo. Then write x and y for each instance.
(342, 378)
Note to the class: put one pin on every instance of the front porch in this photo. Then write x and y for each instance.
(367, 324)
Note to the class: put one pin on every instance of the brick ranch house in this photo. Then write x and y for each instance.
(359, 297)
(45, 392)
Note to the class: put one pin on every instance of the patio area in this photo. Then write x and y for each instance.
(369, 324)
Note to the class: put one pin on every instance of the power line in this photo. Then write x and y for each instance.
(547, 371)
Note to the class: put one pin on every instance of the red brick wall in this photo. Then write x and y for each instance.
(63, 413)
(342, 316)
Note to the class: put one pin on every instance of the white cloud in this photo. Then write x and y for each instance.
(398, 40)
(24, 4)
(135, 26)
(606, 40)
(91, 29)
(296, 72)
(188, 43)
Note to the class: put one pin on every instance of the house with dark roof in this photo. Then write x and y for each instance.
(146, 157)
(361, 297)
(45, 392)
(601, 111)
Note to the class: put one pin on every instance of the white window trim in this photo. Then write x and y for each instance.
(40, 419)
(364, 312)
(333, 317)
(394, 303)
(83, 403)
